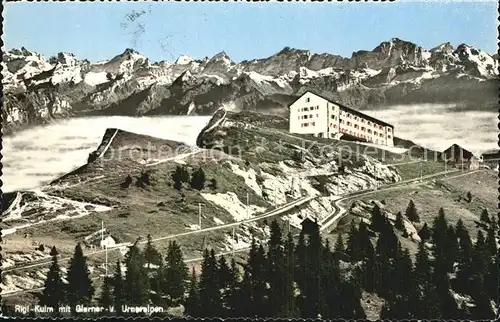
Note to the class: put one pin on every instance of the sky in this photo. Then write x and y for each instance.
(166, 30)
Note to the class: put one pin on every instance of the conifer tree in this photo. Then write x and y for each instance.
(439, 232)
(198, 179)
(276, 271)
(426, 304)
(192, 301)
(176, 273)
(290, 308)
(425, 233)
(225, 280)
(464, 258)
(231, 298)
(351, 247)
(490, 238)
(136, 284)
(151, 255)
(118, 289)
(310, 294)
(105, 298)
(411, 212)
(53, 292)
(79, 289)
(177, 177)
(451, 248)
(377, 218)
(399, 223)
(209, 296)
(157, 282)
(483, 309)
(339, 245)
(485, 217)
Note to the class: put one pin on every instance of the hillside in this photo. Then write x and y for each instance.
(252, 157)
(38, 89)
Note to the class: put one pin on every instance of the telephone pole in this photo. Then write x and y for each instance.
(248, 216)
(199, 215)
(233, 242)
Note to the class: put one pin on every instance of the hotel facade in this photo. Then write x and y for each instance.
(315, 115)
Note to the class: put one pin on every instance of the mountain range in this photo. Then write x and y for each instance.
(396, 72)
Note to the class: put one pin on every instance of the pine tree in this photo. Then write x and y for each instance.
(351, 247)
(425, 233)
(439, 235)
(105, 298)
(79, 289)
(485, 217)
(118, 289)
(276, 271)
(411, 212)
(464, 258)
(451, 248)
(158, 286)
(377, 218)
(231, 297)
(490, 238)
(53, 292)
(289, 309)
(399, 224)
(192, 301)
(427, 304)
(151, 255)
(198, 179)
(469, 197)
(177, 177)
(136, 285)
(225, 280)
(339, 245)
(176, 273)
(210, 297)
(483, 309)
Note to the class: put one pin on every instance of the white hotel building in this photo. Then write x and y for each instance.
(316, 115)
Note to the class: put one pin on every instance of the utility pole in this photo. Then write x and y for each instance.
(248, 216)
(199, 215)
(106, 265)
(233, 241)
(102, 233)
(421, 171)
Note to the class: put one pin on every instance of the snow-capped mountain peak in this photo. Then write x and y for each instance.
(183, 60)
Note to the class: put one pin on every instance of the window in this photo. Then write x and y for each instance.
(334, 126)
(381, 135)
(317, 107)
(333, 117)
(310, 116)
(356, 126)
(369, 131)
(388, 136)
(375, 133)
(306, 124)
(388, 129)
(313, 123)
(308, 99)
(363, 128)
(348, 123)
(305, 116)
(317, 115)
